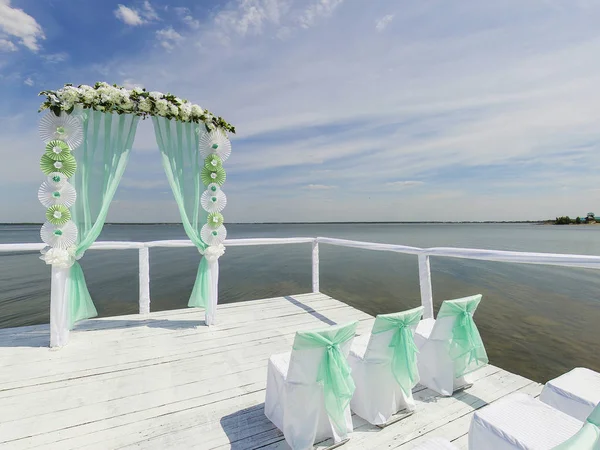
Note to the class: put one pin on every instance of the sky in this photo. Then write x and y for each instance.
(345, 110)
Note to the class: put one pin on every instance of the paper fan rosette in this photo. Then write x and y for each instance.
(213, 236)
(56, 179)
(51, 194)
(65, 127)
(59, 236)
(215, 142)
(215, 220)
(213, 162)
(67, 167)
(213, 201)
(208, 177)
(213, 187)
(58, 150)
(58, 215)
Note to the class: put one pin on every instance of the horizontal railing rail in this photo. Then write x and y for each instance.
(423, 255)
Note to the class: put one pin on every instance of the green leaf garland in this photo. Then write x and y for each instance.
(58, 215)
(215, 220)
(58, 150)
(209, 177)
(67, 166)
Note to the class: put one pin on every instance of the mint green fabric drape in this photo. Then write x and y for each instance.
(334, 371)
(101, 161)
(466, 347)
(588, 438)
(404, 350)
(178, 144)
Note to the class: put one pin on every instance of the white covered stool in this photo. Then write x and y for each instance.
(384, 368)
(520, 422)
(309, 390)
(575, 393)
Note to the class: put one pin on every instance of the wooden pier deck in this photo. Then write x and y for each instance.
(165, 381)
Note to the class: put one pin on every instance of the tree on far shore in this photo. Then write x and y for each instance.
(564, 220)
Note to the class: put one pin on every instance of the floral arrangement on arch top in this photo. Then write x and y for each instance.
(117, 99)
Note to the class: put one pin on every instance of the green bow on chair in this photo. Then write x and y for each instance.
(334, 371)
(466, 347)
(404, 356)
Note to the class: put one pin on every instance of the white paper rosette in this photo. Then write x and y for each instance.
(59, 236)
(213, 236)
(50, 194)
(56, 179)
(215, 142)
(65, 127)
(213, 201)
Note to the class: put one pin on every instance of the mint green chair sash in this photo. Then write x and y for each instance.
(588, 438)
(334, 371)
(466, 347)
(404, 350)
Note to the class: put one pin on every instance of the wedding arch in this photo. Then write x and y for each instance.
(88, 132)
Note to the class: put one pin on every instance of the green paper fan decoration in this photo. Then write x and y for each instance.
(66, 167)
(215, 220)
(209, 177)
(213, 163)
(58, 215)
(58, 150)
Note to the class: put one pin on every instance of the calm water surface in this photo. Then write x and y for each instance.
(537, 321)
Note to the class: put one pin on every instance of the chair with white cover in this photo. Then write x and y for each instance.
(450, 347)
(309, 389)
(520, 422)
(384, 367)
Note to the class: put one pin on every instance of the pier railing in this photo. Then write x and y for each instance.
(423, 256)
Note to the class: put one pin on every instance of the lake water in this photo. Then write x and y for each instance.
(537, 321)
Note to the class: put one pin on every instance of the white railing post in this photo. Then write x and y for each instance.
(144, 280)
(425, 284)
(315, 266)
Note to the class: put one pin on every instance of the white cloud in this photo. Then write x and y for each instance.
(168, 38)
(186, 17)
(7, 46)
(317, 10)
(148, 11)
(135, 17)
(28, 81)
(54, 58)
(129, 16)
(384, 22)
(319, 187)
(16, 22)
(404, 184)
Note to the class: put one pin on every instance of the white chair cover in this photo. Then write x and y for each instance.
(379, 393)
(295, 400)
(450, 347)
(521, 422)
(575, 393)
